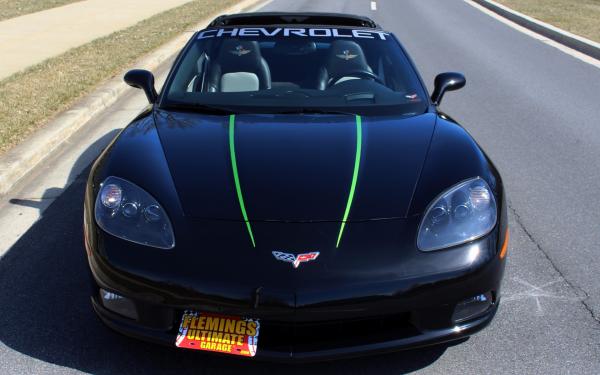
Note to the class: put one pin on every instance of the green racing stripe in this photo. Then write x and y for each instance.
(236, 177)
(238, 188)
(354, 177)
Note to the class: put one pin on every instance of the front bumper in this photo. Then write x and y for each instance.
(398, 336)
(421, 315)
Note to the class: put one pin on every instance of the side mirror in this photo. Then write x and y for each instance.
(446, 82)
(142, 79)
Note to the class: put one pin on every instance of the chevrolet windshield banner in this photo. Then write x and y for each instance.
(292, 32)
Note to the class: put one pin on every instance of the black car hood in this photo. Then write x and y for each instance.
(294, 168)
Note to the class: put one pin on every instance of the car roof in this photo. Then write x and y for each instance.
(295, 19)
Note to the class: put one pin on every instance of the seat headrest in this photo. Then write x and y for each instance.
(239, 56)
(345, 56)
(239, 82)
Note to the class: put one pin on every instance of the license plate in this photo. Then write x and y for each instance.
(218, 333)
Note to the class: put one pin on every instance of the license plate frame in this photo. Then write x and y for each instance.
(225, 334)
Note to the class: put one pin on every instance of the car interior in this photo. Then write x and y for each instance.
(241, 65)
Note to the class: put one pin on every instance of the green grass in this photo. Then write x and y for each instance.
(16, 8)
(30, 98)
(581, 17)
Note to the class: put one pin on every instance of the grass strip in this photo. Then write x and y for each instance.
(30, 98)
(16, 8)
(580, 17)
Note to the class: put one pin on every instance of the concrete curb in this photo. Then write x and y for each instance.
(576, 42)
(21, 159)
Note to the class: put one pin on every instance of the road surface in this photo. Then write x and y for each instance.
(533, 108)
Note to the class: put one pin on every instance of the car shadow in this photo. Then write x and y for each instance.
(45, 312)
(82, 163)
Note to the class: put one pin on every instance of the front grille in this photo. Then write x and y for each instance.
(314, 336)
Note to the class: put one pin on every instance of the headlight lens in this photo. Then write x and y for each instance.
(128, 212)
(461, 214)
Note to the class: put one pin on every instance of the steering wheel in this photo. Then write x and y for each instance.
(353, 73)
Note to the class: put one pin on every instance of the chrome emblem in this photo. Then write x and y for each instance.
(240, 51)
(295, 259)
(346, 55)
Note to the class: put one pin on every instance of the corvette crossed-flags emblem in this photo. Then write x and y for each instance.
(295, 259)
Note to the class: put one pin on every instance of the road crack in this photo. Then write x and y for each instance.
(576, 288)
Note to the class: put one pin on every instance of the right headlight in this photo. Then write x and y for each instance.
(127, 211)
(461, 214)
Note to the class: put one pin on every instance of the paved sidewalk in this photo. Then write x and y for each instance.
(32, 38)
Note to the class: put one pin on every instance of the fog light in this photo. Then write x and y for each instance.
(118, 304)
(472, 307)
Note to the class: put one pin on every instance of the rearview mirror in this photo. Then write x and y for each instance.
(142, 79)
(446, 82)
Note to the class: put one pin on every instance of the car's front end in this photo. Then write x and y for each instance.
(374, 291)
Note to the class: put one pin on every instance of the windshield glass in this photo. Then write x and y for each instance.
(287, 70)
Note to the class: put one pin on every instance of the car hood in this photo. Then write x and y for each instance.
(294, 168)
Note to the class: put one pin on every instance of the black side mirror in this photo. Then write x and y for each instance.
(446, 82)
(142, 79)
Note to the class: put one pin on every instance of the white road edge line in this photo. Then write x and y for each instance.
(544, 24)
(373, 5)
(569, 51)
(258, 6)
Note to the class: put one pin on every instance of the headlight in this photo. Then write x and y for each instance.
(128, 212)
(461, 214)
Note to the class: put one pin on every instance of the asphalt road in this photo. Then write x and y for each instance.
(536, 112)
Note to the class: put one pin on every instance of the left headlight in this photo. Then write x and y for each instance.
(461, 214)
(126, 211)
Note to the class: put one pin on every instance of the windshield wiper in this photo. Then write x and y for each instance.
(319, 111)
(220, 110)
(203, 108)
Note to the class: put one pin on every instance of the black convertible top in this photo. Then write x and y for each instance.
(291, 18)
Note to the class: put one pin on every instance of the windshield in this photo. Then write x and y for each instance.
(288, 70)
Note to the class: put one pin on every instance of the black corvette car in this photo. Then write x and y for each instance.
(294, 194)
